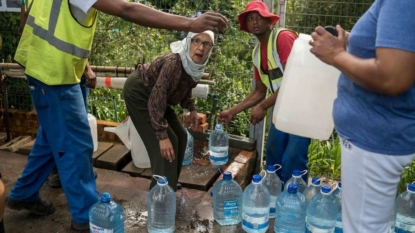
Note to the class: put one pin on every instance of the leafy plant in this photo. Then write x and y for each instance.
(325, 158)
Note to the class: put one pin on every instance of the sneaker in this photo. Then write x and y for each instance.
(38, 207)
(79, 226)
(55, 182)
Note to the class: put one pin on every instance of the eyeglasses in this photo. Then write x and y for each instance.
(198, 42)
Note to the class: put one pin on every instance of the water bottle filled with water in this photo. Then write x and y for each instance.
(405, 211)
(161, 205)
(218, 146)
(322, 212)
(255, 207)
(290, 212)
(106, 215)
(184, 209)
(296, 179)
(273, 183)
(227, 201)
(312, 189)
(188, 155)
(337, 193)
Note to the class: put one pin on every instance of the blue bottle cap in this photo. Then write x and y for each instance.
(161, 181)
(411, 187)
(340, 184)
(271, 168)
(296, 173)
(292, 188)
(316, 181)
(105, 197)
(218, 126)
(227, 176)
(325, 189)
(256, 178)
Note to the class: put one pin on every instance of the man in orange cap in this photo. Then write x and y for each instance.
(269, 59)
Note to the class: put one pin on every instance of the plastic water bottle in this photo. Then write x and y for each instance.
(290, 212)
(161, 205)
(184, 209)
(273, 183)
(188, 155)
(296, 179)
(218, 146)
(227, 201)
(255, 207)
(312, 189)
(322, 212)
(405, 211)
(106, 215)
(337, 193)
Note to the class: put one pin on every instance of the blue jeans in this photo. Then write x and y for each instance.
(290, 151)
(85, 92)
(63, 140)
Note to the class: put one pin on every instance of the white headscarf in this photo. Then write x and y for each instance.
(183, 48)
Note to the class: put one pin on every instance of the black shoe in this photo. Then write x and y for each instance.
(79, 226)
(38, 207)
(2, 227)
(55, 182)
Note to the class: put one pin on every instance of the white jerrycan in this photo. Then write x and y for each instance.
(305, 100)
(132, 140)
(94, 130)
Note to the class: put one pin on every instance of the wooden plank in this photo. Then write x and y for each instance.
(15, 143)
(26, 148)
(134, 171)
(115, 158)
(147, 173)
(234, 140)
(3, 138)
(102, 148)
(199, 177)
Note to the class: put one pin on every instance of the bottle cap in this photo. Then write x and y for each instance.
(316, 181)
(339, 185)
(218, 126)
(256, 178)
(325, 189)
(161, 181)
(411, 187)
(296, 173)
(292, 188)
(227, 176)
(271, 168)
(105, 197)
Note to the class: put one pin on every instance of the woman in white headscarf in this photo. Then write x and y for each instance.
(154, 87)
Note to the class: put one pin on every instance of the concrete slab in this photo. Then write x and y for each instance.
(14, 144)
(115, 158)
(102, 148)
(26, 148)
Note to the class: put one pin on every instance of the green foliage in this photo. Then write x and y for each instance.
(9, 31)
(325, 158)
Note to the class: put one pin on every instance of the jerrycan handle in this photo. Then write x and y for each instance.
(332, 30)
(128, 143)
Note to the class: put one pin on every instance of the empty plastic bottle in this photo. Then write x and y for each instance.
(273, 183)
(290, 212)
(322, 212)
(255, 207)
(188, 155)
(337, 193)
(296, 179)
(312, 189)
(218, 146)
(161, 205)
(227, 201)
(184, 209)
(405, 211)
(106, 215)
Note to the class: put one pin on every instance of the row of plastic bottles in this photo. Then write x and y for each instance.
(403, 219)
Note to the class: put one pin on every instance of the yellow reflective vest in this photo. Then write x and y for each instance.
(54, 46)
(275, 71)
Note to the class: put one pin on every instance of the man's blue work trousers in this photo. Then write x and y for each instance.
(63, 138)
(290, 151)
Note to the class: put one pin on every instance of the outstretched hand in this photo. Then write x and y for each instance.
(209, 21)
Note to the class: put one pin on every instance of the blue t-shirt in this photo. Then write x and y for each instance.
(375, 122)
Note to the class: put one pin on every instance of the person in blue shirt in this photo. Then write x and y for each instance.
(374, 113)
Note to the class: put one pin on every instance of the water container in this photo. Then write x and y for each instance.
(106, 215)
(188, 155)
(322, 212)
(184, 209)
(161, 206)
(255, 207)
(337, 193)
(308, 88)
(273, 183)
(218, 146)
(128, 134)
(290, 212)
(405, 211)
(94, 131)
(227, 201)
(296, 179)
(312, 189)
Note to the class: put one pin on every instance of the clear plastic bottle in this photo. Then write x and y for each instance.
(161, 205)
(312, 189)
(405, 211)
(273, 183)
(227, 201)
(218, 146)
(255, 207)
(296, 179)
(106, 215)
(290, 212)
(188, 155)
(184, 209)
(322, 212)
(337, 193)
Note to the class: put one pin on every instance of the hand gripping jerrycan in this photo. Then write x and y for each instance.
(132, 140)
(305, 100)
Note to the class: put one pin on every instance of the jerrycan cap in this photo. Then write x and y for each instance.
(296, 173)
(325, 189)
(105, 197)
(256, 179)
(218, 126)
(316, 181)
(292, 188)
(411, 188)
(227, 175)
(271, 168)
